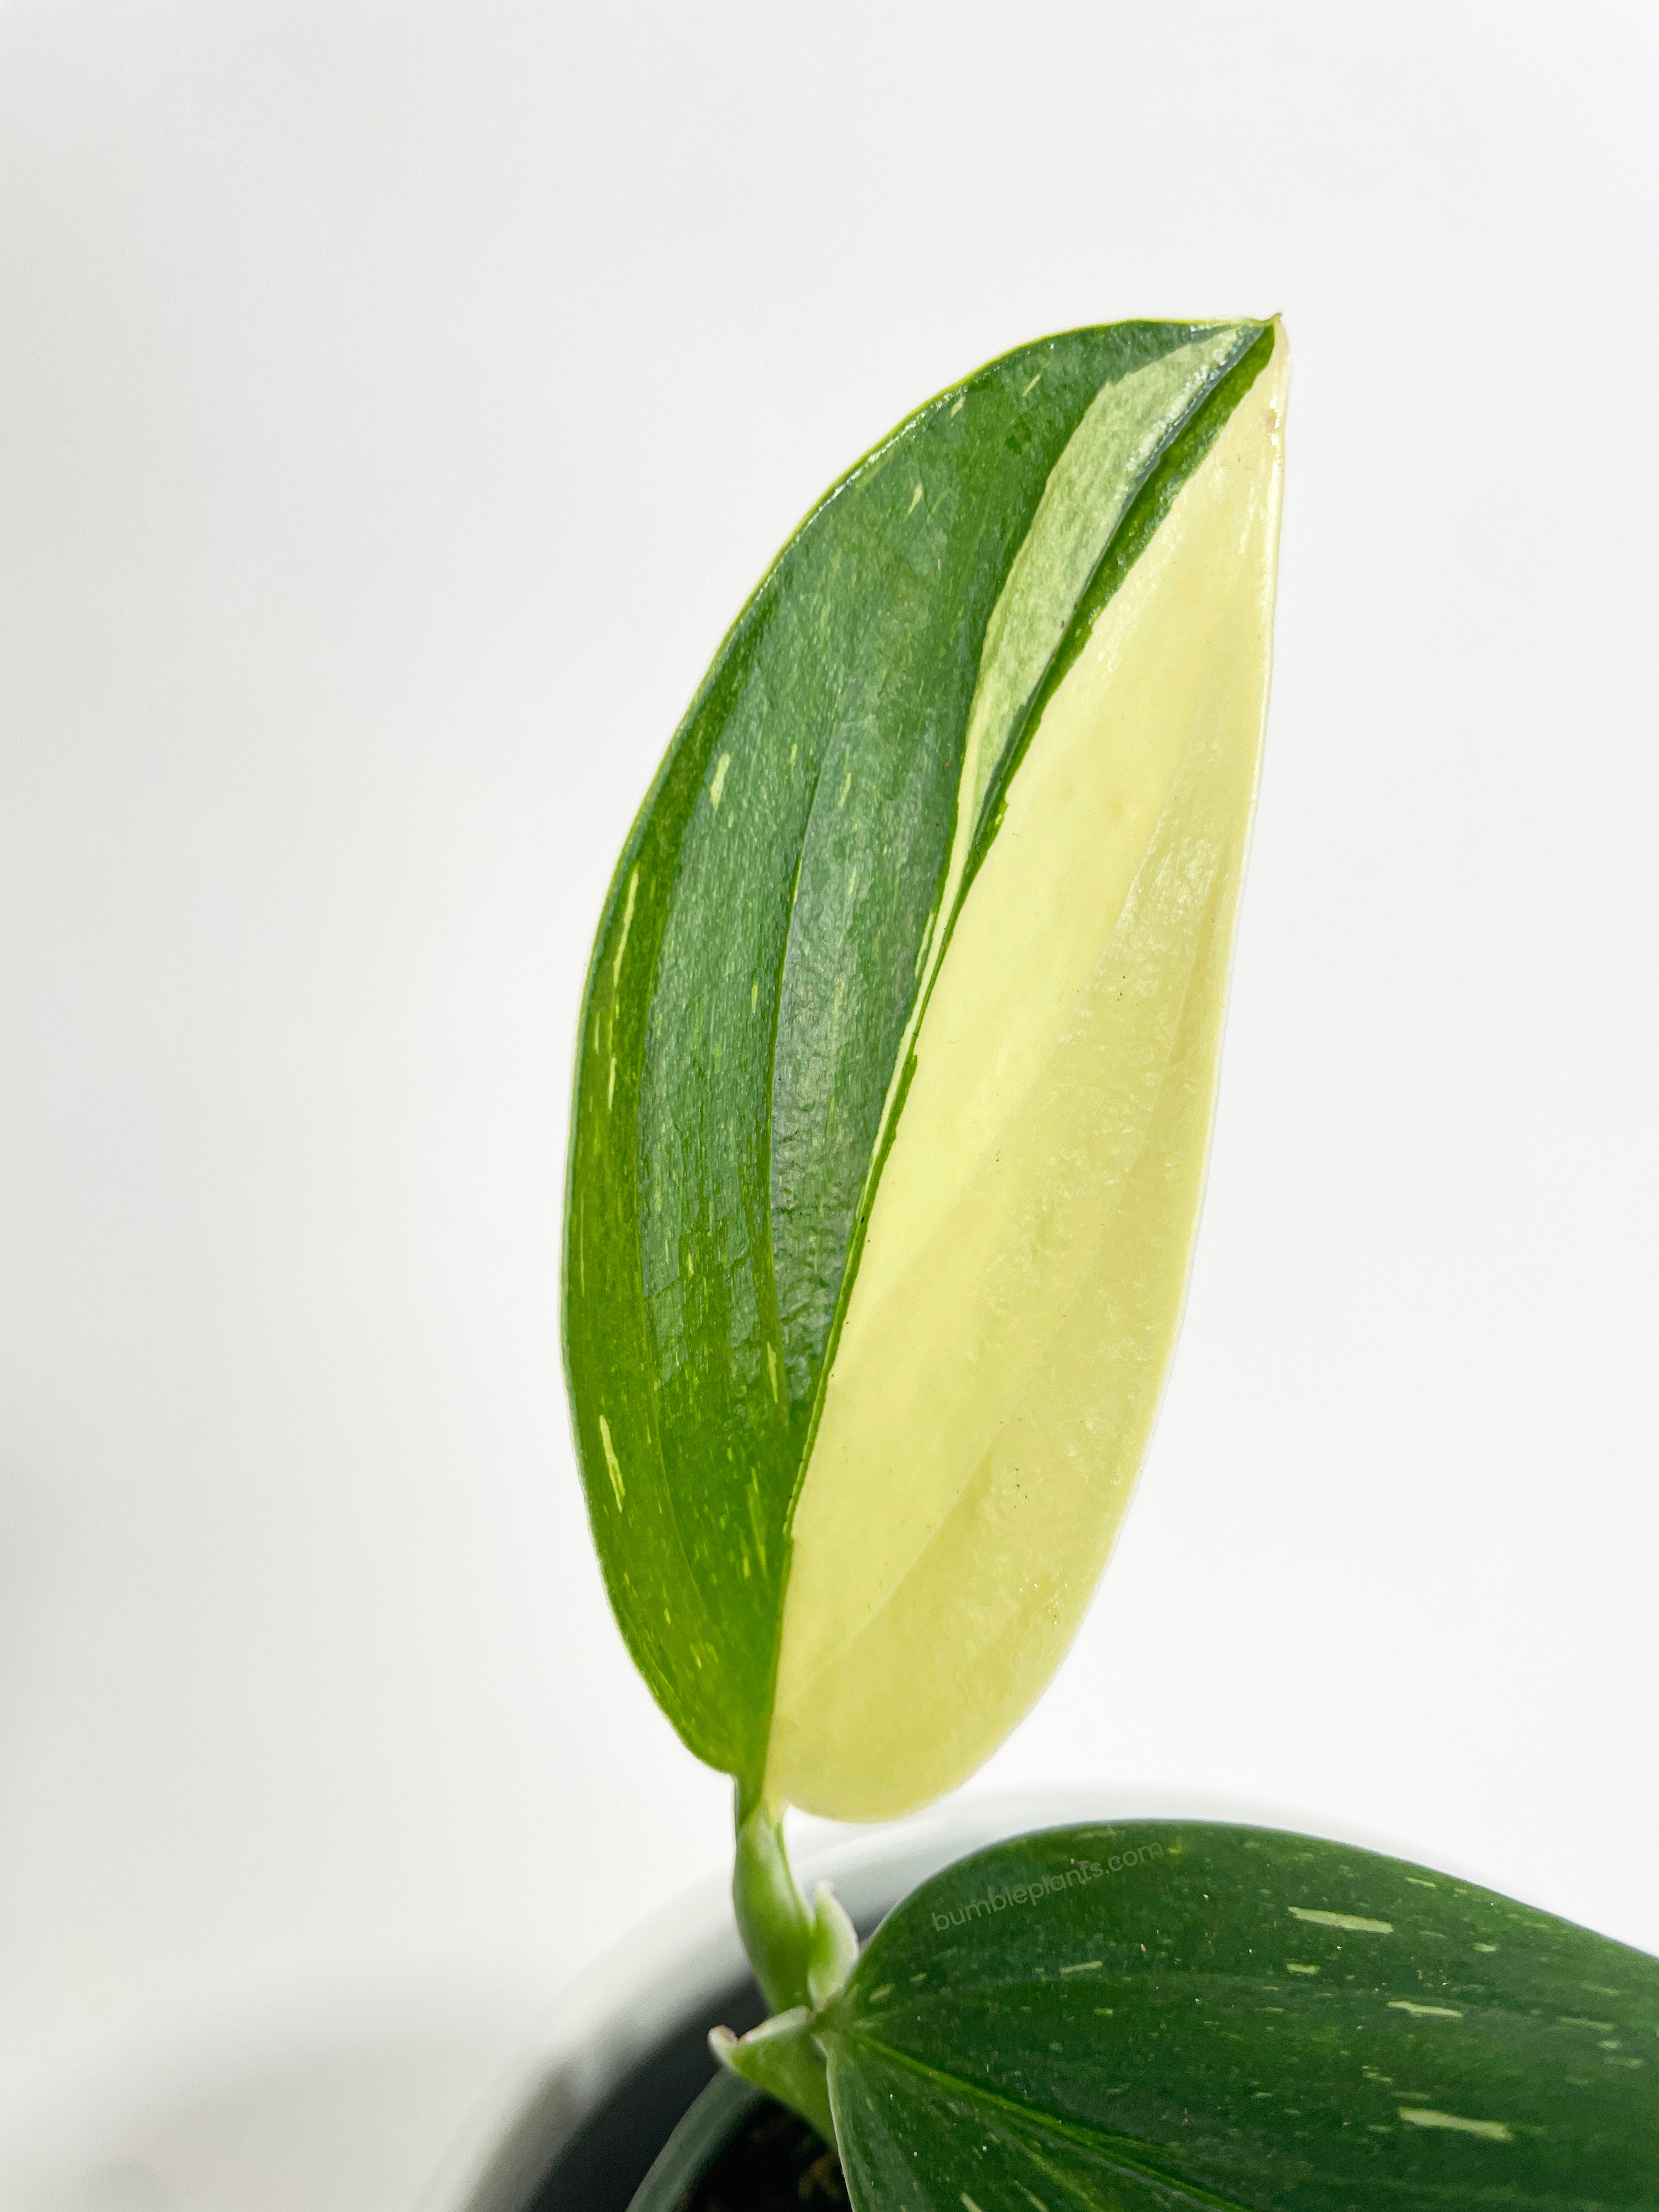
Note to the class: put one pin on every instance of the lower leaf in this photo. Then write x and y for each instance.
(1180, 2014)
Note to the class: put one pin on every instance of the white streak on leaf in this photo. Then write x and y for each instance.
(610, 1461)
(1420, 2115)
(1350, 1920)
(717, 784)
(627, 924)
(1423, 2012)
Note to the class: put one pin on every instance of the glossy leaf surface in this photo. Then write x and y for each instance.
(1168, 2015)
(827, 817)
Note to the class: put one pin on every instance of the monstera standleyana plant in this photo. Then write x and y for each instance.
(893, 1097)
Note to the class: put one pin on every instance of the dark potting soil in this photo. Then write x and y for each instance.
(775, 2163)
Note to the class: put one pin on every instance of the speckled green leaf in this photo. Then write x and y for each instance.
(771, 933)
(1172, 2014)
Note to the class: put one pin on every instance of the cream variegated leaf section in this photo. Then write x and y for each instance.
(1021, 1283)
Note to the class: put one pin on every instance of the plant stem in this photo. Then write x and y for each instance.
(800, 1957)
(772, 1918)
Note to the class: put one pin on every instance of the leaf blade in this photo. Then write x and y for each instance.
(1163, 2023)
(753, 984)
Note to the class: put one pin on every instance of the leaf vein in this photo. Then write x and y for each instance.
(1114, 2151)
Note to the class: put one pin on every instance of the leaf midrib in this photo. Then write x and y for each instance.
(1114, 2150)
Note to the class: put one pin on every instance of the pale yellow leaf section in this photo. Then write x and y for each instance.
(1022, 1282)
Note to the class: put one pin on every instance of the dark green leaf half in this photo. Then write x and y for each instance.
(1163, 2014)
(760, 956)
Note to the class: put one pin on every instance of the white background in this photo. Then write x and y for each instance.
(396, 404)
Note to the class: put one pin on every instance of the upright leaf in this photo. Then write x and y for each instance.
(944, 651)
(1161, 2014)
